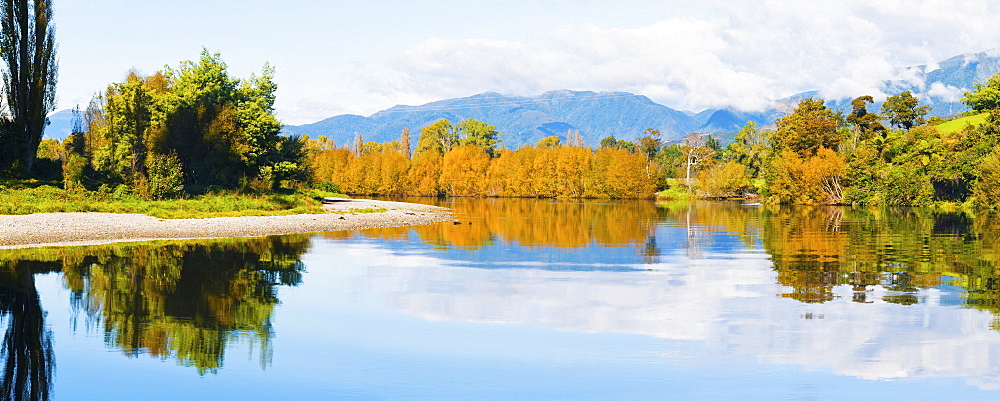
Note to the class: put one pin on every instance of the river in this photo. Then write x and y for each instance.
(527, 300)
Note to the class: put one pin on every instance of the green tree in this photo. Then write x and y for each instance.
(984, 97)
(438, 137)
(749, 148)
(651, 143)
(120, 136)
(904, 110)
(221, 131)
(550, 142)
(610, 142)
(987, 188)
(28, 47)
(866, 123)
(474, 132)
(222, 128)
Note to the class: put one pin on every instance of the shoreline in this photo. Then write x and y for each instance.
(78, 229)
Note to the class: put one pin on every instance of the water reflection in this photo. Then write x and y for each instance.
(869, 293)
(533, 223)
(813, 249)
(179, 300)
(26, 353)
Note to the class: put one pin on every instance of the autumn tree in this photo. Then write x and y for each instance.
(425, 173)
(815, 179)
(28, 48)
(725, 180)
(574, 139)
(811, 126)
(464, 170)
(696, 155)
(904, 110)
(404, 142)
(619, 173)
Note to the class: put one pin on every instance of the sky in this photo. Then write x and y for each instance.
(359, 57)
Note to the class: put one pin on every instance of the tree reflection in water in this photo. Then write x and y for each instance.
(184, 300)
(27, 354)
(897, 251)
(883, 254)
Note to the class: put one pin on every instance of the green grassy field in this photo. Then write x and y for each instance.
(23, 199)
(958, 124)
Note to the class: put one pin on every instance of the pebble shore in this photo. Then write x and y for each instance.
(72, 229)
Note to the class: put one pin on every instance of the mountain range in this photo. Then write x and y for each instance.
(526, 120)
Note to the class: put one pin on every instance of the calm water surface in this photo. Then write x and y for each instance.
(524, 299)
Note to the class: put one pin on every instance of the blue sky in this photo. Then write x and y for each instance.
(335, 57)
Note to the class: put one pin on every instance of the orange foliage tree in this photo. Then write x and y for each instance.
(808, 180)
(619, 173)
(471, 170)
(463, 171)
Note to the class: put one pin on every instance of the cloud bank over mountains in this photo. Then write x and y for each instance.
(724, 54)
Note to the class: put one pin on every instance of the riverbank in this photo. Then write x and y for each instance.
(73, 229)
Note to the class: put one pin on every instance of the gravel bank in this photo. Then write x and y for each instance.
(69, 229)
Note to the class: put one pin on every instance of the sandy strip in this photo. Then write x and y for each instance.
(71, 229)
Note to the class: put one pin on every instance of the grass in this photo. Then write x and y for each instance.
(958, 124)
(23, 198)
(676, 190)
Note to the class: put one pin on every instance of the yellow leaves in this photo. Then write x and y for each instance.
(987, 188)
(618, 173)
(425, 171)
(464, 171)
(726, 180)
(810, 181)
(810, 127)
(469, 171)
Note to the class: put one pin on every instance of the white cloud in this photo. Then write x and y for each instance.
(944, 92)
(744, 54)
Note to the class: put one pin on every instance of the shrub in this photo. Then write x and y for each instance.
(726, 180)
(905, 186)
(987, 189)
(166, 177)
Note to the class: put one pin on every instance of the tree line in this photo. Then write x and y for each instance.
(896, 156)
(465, 159)
(814, 155)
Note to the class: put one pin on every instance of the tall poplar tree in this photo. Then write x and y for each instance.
(28, 47)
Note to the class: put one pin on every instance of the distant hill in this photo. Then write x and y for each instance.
(525, 120)
(60, 125)
(519, 120)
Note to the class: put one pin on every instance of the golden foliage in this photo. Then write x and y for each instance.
(809, 181)
(424, 174)
(618, 173)
(467, 170)
(464, 171)
(726, 180)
